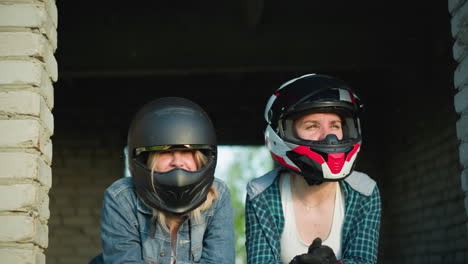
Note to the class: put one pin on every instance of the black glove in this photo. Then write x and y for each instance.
(317, 254)
(323, 252)
(305, 259)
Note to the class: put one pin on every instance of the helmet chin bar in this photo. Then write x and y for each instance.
(336, 166)
(320, 167)
(177, 191)
(182, 200)
(317, 161)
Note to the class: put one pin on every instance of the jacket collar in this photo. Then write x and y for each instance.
(359, 181)
(258, 185)
(142, 208)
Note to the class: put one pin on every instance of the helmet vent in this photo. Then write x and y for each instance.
(335, 162)
(331, 139)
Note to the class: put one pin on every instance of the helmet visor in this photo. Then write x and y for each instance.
(142, 155)
(349, 125)
(138, 151)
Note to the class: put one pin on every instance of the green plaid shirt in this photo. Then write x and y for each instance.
(265, 220)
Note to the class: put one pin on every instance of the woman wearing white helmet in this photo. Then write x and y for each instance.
(313, 208)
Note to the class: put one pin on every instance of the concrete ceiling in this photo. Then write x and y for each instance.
(229, 56)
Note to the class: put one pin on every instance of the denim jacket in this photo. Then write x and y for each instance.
(126, 228)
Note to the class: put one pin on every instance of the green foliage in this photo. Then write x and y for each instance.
(239, 212)
(246, 163)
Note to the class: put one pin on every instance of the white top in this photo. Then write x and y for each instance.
(291, 244)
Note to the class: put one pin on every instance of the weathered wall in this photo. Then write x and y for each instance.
(87, 159)
(424, 216)
(423, 219)
(459, 11)
(27, 70)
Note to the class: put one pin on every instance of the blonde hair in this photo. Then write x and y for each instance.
(200, 160)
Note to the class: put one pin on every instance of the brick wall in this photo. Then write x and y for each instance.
(87, 159)
(424, 218)
(459, 12)
(27, 70)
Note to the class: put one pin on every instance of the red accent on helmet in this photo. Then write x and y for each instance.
(276, 94)
(282, 161)
(353, 100)
(353, 151)
(309, 153)
(336, 161)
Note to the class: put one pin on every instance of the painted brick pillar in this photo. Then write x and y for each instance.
(28, 39)
(459, 11)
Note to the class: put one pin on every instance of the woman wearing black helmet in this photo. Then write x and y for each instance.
(171, 209)
(314, 195)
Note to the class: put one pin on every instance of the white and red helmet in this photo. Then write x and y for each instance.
(316, 160)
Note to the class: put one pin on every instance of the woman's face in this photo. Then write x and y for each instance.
(318, 125)
(167, 160)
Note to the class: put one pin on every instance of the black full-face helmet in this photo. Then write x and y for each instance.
(317, 161)
(171, 122)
